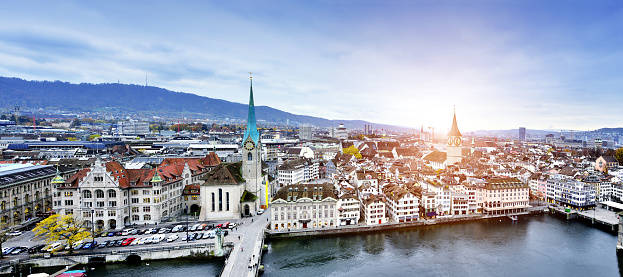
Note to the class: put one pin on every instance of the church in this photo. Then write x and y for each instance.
(455, 144)
(235, 190)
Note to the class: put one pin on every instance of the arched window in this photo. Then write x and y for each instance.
(249, 157)
(26, 198)
(87, 194)
(15, 202)
(37, 195)
(99, 193)
(3, 205)
(112, 193)
(47, 192)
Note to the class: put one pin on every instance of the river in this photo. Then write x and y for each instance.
(535, 245)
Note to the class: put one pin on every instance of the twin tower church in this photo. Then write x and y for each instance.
(232, 190)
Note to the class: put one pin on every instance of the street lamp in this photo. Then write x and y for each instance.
(92, 228)
(187, 238)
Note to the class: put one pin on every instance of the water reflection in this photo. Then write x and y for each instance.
(538, 245)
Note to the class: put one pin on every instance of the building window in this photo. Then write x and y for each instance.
(135, 209)
(69, 212)
(112, 193)
(100, 204)
(147, 217)
(134, 192)
(69, 193)
(99, 193)
(99, 213)
(146, 209)
(112, 213)
(86, 214)
(136, 217)
(69, 202)
(227, 200)
(145, 192)
(249, 157)
(134, 200)
(213, 202)
(194, 197)
(146, 200)
(112, 203)
(185, 197)
(220, 199)
(87, 194)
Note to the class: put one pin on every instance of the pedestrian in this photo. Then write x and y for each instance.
(241, 249)
(251, 220)
(238, 237)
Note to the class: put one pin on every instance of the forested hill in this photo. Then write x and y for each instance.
(142, 99)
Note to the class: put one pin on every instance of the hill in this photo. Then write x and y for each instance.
(146, 100)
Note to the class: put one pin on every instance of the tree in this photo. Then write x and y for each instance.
(93, 137)
(63, 227)
(3, 237)
(352, 150)
(619, 155)
(75, 123)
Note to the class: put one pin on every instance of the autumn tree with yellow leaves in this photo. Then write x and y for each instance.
(352, 150)
(63, 227)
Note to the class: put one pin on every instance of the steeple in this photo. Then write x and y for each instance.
(251, 130)
(454, 131)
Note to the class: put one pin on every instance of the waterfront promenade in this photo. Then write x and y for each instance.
(245, 257)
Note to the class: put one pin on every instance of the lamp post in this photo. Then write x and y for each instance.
(187, 238)
(92, 228)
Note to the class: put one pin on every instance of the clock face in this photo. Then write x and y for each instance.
(457, 141)
(249, 145)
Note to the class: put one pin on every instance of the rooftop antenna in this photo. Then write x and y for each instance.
(145, 79)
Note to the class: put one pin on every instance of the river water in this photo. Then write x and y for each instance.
(536, 245)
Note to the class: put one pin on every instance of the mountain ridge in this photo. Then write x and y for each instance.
(147, 99)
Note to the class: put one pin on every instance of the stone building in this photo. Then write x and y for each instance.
(25, 191)
(303, 206)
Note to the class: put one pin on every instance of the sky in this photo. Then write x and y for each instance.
(501, 64)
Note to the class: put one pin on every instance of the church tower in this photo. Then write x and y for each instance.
(454, 144)
(251, 153)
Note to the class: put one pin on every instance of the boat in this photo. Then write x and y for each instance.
(513, 217)
(73, 273)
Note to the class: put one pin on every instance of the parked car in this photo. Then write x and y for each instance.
(19, 250)
(177, 228)
(126, 232)
(119, 242)
(127, 241)
(158, 238)
(7, 250)
(89, 245)
(56, 246)
(164, 231)
(14, 233)
(35, 249)
(261, 211)
(172, 238)
(199, 236)
(103, 244)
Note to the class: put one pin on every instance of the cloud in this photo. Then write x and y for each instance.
(502, 64)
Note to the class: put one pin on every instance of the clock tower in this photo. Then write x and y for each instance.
(454, 144)
(251, 154)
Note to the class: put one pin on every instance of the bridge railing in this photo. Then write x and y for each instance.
(150, 249)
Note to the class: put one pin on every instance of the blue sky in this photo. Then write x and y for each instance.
(504, 64)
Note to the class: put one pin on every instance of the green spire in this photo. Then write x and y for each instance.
(58, 179)
(156, 178)
(251, 130)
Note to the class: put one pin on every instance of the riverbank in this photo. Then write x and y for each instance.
(387, 226)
